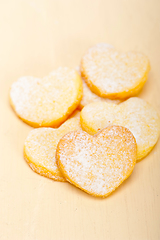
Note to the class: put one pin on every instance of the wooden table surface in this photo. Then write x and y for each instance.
(37, 36)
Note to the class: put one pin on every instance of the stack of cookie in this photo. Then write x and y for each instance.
(90, 128)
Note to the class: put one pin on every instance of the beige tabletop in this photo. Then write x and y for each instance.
(37, 36)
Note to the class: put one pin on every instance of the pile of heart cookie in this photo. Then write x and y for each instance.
(90, 128)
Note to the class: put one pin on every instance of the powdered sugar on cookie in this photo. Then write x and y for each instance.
(48, 101)
(135, 114)
(40, 148)
(112, 74)
(97, 165)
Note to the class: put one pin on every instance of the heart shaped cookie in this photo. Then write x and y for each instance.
(97, 164)
(40, 147)
(135, 114)
(112, 74)
(49, 101)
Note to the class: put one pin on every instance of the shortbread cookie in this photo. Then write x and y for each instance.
(40, 147)
(89, 97)
(135, 114)
(97, 164)
(112, 74)
(49, 101)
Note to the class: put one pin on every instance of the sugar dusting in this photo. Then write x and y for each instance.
(40, 148)
(135, 114)
(112, 71)
(98, 164)
(44, 100)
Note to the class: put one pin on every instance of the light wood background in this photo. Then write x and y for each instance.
(37, 36)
